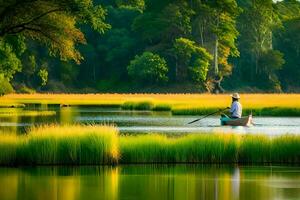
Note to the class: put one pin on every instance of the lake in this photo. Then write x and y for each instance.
(133, 122)
(151, 182)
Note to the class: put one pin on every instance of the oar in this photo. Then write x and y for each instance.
(207, 116)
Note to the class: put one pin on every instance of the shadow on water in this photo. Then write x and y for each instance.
(150, 182)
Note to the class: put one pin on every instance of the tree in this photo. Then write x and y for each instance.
(5, 86)
(271, 62)
(43, 74)
(159, 28)
(215, 29)
(191, 59)
(148, 69)
(51, 22)
(138, 4)
(261, 18)
(9, 62)
(287, 40)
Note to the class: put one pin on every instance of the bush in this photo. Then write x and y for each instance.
(25, 90)
(148, 68)
(5, 86)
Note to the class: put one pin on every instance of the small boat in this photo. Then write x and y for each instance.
(244, 121)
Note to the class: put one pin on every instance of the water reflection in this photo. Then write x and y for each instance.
(150, 182)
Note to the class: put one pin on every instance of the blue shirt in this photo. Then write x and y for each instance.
(236, 109)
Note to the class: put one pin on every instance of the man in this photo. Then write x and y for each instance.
(236, 108)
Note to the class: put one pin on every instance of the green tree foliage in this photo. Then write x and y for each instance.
(191, 60)
(5, 86)
(256, 25)
(148, 68)
(137, 4)
(270, 62)
(9, 61)
(159, 28)
(43, 74)
(215, 29)
(288, 42)
(249, 42)
(51, 22)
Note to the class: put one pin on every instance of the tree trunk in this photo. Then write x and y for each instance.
(176, 69)
(216, 56)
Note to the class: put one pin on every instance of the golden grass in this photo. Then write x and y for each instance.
(179, 104)
(26, 113)
(175, 100)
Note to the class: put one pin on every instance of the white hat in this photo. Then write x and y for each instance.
(235, 95)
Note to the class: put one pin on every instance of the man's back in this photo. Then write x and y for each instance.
(236, 109)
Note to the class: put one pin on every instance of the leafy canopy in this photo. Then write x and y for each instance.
(51, 22)
(148, 68)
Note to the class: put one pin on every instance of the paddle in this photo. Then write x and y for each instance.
(207, 116)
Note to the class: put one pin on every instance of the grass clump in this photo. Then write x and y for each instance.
(100, 145)
(194, 111)
(255, 149)
(285, 149)
(144, 105)
(200, 148)
(162, 107)
(210, 148)
(8, 149)
(266, 111)
(82, 145)
(27, 113)
(273, 111)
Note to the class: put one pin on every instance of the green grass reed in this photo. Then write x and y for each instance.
(98, 145)
(26, 113)
(285, 149)
(8, 149)
(162, 107)
(194, 111)
(144, 105)
(195, 148)
(255, 149)
(267, 111)
(67, 145)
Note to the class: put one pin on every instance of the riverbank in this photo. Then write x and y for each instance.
(178, 104)
(102, 145)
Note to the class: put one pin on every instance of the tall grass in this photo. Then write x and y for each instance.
(98, 145)
(27, 113)
(267, 111)
(210, 148)
(143, 105)
(180, 104)
(255, 149)
(201, 148)
(61, 145)
(285, 149)
(179, 101)
(8, 149)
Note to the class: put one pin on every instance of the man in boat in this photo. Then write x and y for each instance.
(236, 108)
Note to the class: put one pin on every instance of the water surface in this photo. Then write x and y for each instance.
(133, 122)
(161, 182)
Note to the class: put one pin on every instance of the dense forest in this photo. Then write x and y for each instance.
(149, 46)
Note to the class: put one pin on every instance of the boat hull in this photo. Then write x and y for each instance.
(244, 121)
